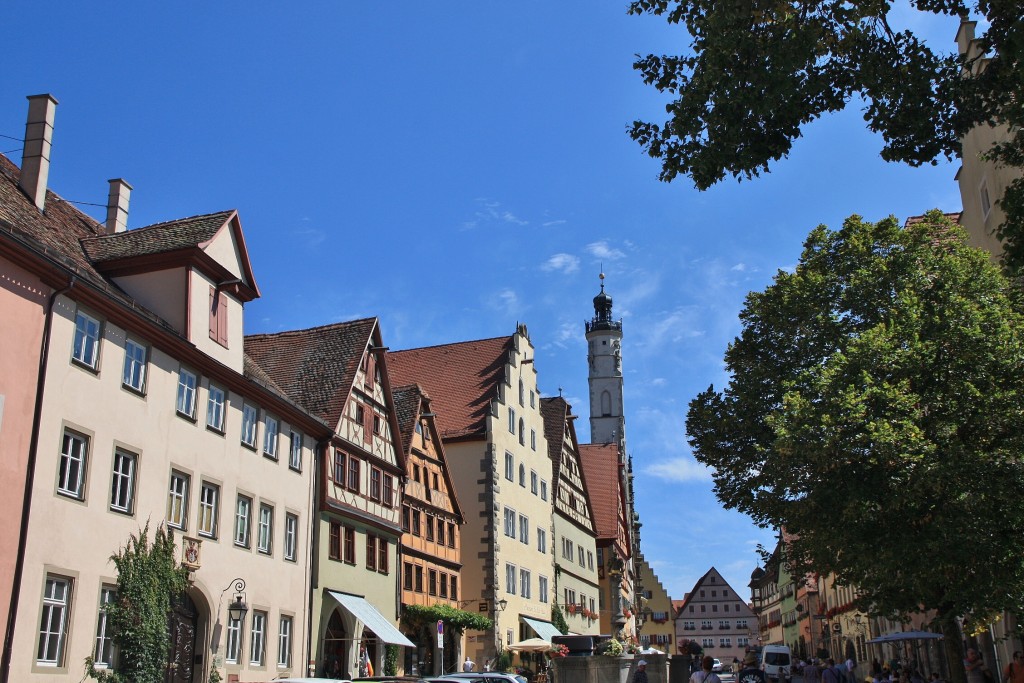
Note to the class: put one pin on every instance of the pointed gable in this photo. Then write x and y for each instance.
(461, 379)
(317, 367)
(558, 429)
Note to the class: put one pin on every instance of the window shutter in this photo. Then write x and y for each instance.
(368, 424)
(371, 369)
(222, 319)
(213, 315)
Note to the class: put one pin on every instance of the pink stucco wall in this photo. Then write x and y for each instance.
(22, 309)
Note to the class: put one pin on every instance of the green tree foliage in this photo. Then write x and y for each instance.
(759, 70)
(874, 411)
(149, 579)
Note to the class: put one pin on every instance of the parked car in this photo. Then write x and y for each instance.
(717, 666)
(489, 677)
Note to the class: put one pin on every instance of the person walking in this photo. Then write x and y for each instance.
(705, 675)
(830, 672)
(1014, 671)
(812, 672)
(750, 673)
(974, 666)
(641, 672)
(468, 665)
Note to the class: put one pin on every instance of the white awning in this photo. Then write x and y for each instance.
(371, 618)
(544, 629)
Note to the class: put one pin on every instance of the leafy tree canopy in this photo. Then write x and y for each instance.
(760, 70)
(875, 412)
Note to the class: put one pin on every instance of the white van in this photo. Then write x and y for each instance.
(777, 662)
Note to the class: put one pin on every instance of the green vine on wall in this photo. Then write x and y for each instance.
(558, 619)
(149, 579)
(391, 660)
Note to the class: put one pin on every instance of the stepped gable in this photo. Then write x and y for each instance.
(460, 378)
(601, 469)
(316, 367)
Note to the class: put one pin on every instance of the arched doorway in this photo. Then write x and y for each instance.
(335, 650)
(182, 625)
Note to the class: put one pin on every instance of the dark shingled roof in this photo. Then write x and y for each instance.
(183, 233)
(407, 408)
(315, 367)
(460, 378)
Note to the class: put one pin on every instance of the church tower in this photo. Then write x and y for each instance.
(604, 354)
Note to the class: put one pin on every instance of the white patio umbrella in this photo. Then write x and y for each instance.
(531, 645)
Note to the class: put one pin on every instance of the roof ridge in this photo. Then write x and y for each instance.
(317, 328)
(462, 343)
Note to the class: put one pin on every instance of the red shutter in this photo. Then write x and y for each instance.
(371, 369)
(368, 424)
(222, 320)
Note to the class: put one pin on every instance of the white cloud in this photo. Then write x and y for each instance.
(739, 267)
(605, 251)
(659, 382)
(509, 217)
(679, 469)
(565, 263)
(549, 224)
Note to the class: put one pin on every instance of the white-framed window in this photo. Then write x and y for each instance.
(725, 642)
(567, 548)
(510, 522)
(233, 646)
(543, 490)
(177, 500)
(533, 439)
(209, 500)
(291, 534)
(257, 642)
(570, 596)
(590, 560)
(87, 340)
(133, 375)
(741, 624)
(524, 583)
(708, 642)
(122, 482)
(295, 451)
(265, 532)
(270, 430)
(71, 476)
(511, 421)
(724, 624)
(284, 642)
(689, 626)
(579, 556)
(243, 520)
(524, 529)
(53, 626)
(215, 408)
(510, 579)
(542, 588)
(249, 425)
(510, 466)
(186, 403)
(104, 652)
(533, 482)
(705, 624)
(542, 540)
(742, 641)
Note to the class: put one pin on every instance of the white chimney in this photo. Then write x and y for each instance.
(35, 157)
(117, 205)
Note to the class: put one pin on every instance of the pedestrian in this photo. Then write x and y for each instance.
(750, 673)
(735, 666)
(830, 673)
(812, 672)
(851, 670)
(1014, 671)
(876, 668)
(468, 665)
(641, 672)
(974, 667)
(705, 674)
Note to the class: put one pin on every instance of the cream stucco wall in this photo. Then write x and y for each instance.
(74, 538)
(162, 292)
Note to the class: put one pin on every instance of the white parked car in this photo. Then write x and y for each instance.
(717, 666)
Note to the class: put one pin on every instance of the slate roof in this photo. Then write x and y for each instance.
(601, 468)
(315, 367)
(460, 378)
(160, 238)
(407, 409)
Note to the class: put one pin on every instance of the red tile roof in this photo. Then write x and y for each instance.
(183, 233)
(601, 469)
(460, 378)
(315, 367)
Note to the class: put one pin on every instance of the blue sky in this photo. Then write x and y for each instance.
(455, 168)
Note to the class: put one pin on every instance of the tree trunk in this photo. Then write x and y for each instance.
(953, 647)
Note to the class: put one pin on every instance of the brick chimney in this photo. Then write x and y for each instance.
(117, 205)
(35, 158)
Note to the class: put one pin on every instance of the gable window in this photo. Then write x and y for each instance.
(291, 532)
(266, 529)
(53, 626)
(87, 340)
(133, 375)
(270, 431)
(243, 521)
(177, 500)
(218, 317)
(353, 474)
(209, 497)
(215, 409)
(249, 417)
(122, 482)
(295, 451)
(510, 466)
(339, 468)
(186, 403)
